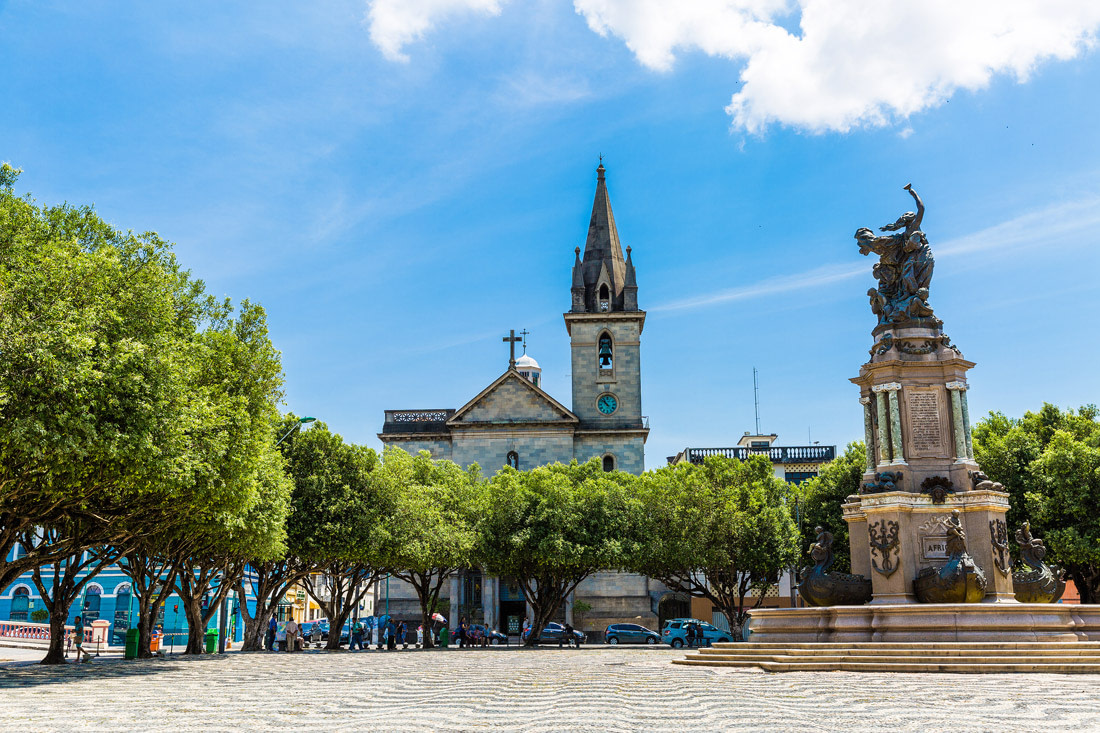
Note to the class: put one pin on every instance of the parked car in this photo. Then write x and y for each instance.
(555, 631)
(495, 637)
(674, 632)
(630, 634)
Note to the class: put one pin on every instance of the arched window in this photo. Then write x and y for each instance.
(92, 600)
(513, 459)
(605, 355)
(605, 298)
(20, 604)
(609, 463)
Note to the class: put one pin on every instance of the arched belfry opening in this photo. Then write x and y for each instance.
(605, 298)
(609, 463)
(606, 354)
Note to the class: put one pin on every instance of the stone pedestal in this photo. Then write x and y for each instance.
(919, 459)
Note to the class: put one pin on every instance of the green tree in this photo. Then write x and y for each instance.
(553, 526)
(341, 520)
(1049, 462)
(820, 500)
(720, 530)
(437, 506)
(96, 326)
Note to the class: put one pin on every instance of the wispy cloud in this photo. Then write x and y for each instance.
(1051, 226)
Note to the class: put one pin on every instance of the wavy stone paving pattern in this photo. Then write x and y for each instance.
(549, 690)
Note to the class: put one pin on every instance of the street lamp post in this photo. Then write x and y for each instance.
(301, 421)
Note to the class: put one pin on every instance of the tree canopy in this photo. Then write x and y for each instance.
(1049, 462)
(721, 530)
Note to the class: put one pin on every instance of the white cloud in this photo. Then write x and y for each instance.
(852, 63)
(816, 65)
(396, 23)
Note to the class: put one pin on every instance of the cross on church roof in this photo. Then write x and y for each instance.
(525, 333)
(511, 340)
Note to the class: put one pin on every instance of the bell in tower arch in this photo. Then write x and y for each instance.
(605, 352)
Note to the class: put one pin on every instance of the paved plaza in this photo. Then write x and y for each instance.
(596, 689)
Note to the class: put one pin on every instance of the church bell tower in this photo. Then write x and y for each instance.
(605, 328)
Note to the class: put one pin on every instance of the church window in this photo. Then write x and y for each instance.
(513, 459)
(606, 357)
(605, 298)
(609, 463)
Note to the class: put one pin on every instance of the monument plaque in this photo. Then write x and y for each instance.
(927, 425)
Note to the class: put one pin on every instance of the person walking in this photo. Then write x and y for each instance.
(391, 635)
(403, 635)
(526, 630)
(78, 639)
(272, 629)
(356, 636)
(292, 635)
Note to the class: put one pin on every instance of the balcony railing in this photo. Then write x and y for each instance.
(791, 454)
(416, 421)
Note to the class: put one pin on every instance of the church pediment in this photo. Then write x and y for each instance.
(512, 399)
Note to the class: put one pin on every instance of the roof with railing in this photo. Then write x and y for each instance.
(777, 454)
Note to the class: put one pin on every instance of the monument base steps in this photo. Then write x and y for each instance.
(944, 657)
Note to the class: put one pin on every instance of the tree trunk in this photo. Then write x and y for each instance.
(56, 652)
(196, 626)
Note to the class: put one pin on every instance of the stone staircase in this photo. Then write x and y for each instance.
(1082, 657)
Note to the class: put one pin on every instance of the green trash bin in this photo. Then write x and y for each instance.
(132, 636)
(444, 637)
(211, 641)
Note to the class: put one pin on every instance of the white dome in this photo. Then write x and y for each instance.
(526, 362)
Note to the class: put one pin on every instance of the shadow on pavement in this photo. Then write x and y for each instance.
(32, 674)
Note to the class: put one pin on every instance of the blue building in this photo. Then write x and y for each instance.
(108, 597)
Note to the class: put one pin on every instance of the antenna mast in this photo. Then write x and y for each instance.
(756, 398)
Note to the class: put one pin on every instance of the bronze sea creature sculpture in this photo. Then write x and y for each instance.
(1041, 583)
(819, 587)
(959, 580)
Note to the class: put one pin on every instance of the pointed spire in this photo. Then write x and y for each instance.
(578, 270)
(602, 248)
(631, 279)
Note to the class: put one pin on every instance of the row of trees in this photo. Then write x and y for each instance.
(138, 412)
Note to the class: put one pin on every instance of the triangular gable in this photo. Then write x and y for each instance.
(511, 398)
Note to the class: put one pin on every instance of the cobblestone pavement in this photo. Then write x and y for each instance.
(597, 689)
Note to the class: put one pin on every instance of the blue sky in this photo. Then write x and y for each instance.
(401, 183)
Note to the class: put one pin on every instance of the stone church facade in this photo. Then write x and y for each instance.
(513, 421)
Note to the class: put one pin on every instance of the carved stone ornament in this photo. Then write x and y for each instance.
(959, 580)
(998, 537)
(948, 345)
(884, 546)
(1041, 583)
(819, 587)
(981, 482)
(938, 487)
(925, 346)
(884, 481)
(883, 346)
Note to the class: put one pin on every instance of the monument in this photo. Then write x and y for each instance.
(929, 544)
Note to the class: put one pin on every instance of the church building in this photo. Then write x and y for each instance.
(513, 421)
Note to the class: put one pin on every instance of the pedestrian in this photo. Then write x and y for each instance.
(525, 632)
(402, 633)
(315, 634)
(462, 633)
(391, 635)
(689, 632)
(292, 635)
(78, 639)
(272, 628)
(356, 636)
(570, 636)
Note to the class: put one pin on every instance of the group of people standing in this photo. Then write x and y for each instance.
(289, 637)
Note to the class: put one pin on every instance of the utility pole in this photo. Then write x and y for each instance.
(756, 398)
(223, 621)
